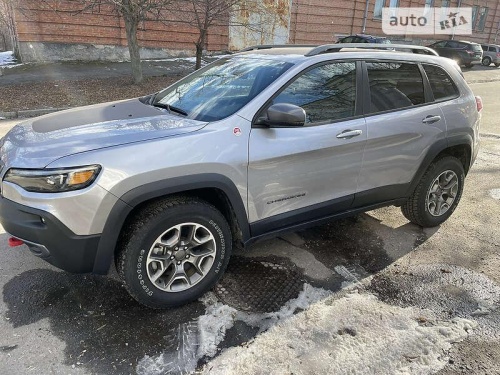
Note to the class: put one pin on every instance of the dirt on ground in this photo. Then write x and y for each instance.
(64, 93)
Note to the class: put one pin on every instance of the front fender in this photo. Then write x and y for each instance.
(130, 200)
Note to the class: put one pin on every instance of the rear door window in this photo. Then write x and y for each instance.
(453, 44)
(442, 85)
(439, 44)
(394, 85)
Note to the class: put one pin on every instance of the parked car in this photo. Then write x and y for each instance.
(491, 54)
(251, 145)
(364, 38)
(464, 53)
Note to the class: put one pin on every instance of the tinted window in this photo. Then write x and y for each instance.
(326, 92)
(453, 44)
(492, 49)
(474, 47)
(485, 48)
(349, 39)
(394, 85)
(439, 44)
(441, 83)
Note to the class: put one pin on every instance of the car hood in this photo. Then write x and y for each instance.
(38, 142)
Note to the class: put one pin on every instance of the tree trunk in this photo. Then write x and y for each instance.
(131, 25)
(200, 45)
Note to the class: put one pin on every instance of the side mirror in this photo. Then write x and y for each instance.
(285, 115)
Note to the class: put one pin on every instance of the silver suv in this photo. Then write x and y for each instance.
(268, 140)
(491, 54)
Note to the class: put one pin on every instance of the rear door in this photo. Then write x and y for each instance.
(402, 123)
(296, 173)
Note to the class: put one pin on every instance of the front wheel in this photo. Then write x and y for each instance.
(437, 194)
(173, 252)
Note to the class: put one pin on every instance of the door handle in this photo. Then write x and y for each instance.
(348, 134)
(431, 119)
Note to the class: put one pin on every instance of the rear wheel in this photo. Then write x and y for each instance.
(174, 251)
(437, 194)
(486, 61)
(497, 64)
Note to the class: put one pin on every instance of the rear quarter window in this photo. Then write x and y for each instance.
(442, 85)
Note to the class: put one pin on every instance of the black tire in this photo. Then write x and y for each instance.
(142, 233)
(469, 66)
(486, 61)
(416, 208)
(497, 64)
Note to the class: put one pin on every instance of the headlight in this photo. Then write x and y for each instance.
(53, 180)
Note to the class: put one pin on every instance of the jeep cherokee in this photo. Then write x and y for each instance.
(264, 141)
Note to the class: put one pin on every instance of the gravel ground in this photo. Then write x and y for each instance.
(60, 94)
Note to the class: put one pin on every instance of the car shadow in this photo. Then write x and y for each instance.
(106, 331)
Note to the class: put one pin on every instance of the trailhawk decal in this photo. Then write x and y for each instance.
(287, 198)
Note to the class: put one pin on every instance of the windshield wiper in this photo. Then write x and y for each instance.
(170, 108)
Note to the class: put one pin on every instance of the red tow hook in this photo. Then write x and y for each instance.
(13, 242)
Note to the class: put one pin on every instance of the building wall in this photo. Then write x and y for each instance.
(322, 21)
(52, 30)
(55, 30)
(270, 20)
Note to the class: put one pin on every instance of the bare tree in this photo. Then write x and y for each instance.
(255, 16)
(7, 23)
(133, 13)
(204, 14)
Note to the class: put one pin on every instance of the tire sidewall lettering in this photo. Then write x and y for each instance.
(145, 288)
(222, 251)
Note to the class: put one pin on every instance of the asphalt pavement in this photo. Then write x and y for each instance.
(312, 300)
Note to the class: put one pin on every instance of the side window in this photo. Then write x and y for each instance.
(439, 44)
(394, 85)
(441, 83)
(453, 44)
(485, 48)
(493, 49)
(349, 39)
(326, 92)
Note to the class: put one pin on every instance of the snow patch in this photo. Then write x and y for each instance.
(372, 336)
(7, 60)
(495, 193)
(201, 338)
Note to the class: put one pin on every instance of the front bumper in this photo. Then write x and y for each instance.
(48, 238)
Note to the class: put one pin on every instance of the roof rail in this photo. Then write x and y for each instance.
(329, 48)
(269, 46)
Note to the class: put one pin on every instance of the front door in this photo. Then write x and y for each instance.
(296, 173)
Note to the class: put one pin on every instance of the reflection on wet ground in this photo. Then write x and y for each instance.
(105, 331)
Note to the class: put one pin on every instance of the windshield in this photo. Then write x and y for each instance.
(220, 89)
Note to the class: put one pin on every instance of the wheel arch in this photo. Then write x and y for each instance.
(216, 189)
(459, 147)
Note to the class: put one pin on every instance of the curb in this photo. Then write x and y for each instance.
(29, 113)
